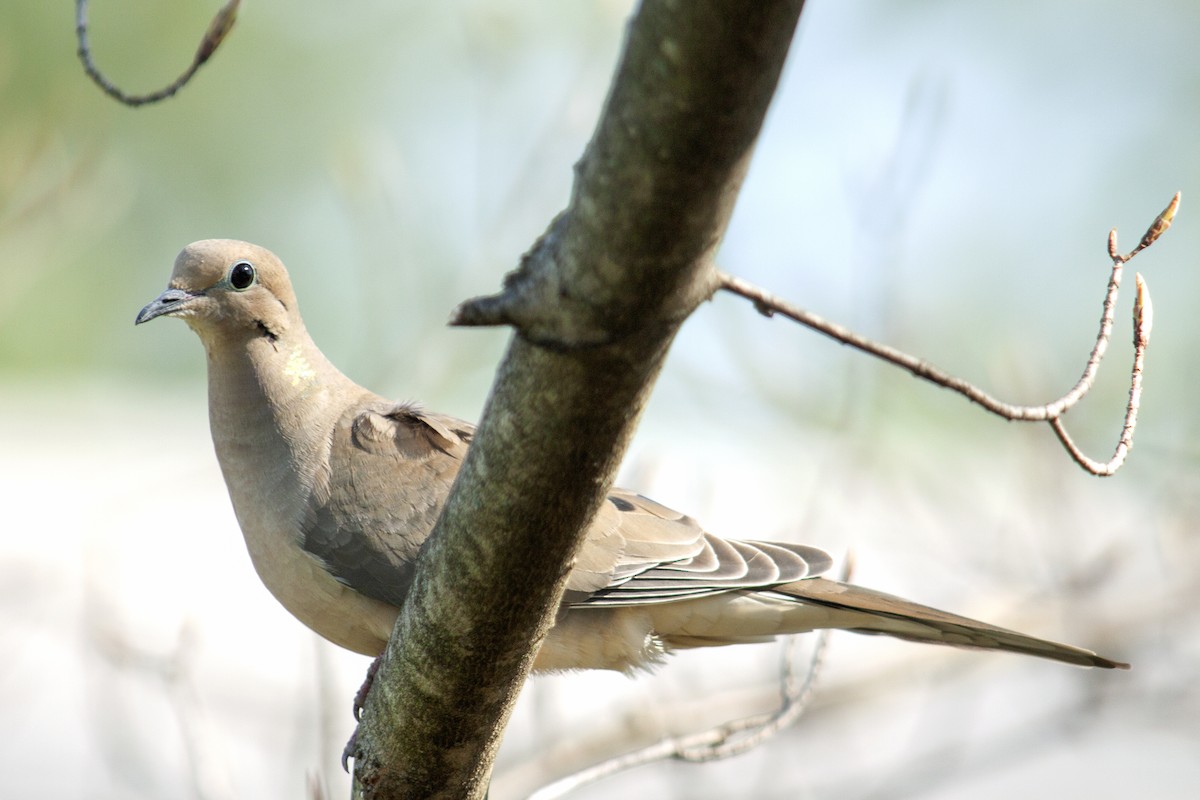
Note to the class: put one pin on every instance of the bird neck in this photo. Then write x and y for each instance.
(273, 405)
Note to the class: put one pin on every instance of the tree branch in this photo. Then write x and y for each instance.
(218, 29)
(1052, 412)
(595, 304)
(721, 741)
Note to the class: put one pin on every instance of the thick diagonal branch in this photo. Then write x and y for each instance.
(595, 306)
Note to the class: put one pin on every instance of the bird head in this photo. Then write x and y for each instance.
(223, 287)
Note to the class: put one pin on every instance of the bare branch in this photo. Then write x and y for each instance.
(739, 736)
(722, 741)
(1052, 412)
(595, 306)
(218, 29)
(1143, 316)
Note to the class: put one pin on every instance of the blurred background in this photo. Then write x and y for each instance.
(939, 175)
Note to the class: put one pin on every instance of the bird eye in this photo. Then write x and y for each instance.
(241, 275)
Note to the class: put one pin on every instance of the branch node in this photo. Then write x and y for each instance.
(489, 310)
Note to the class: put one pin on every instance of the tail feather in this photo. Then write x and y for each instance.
(880, 613)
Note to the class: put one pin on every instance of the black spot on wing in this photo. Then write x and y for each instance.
(621, 503)
(263, 330)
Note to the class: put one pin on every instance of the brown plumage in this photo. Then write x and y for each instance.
(336, 488)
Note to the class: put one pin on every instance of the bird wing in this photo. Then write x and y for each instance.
(392, 467)
(639, 551)
(390, 470)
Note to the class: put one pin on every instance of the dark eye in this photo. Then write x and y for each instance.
(241, 275)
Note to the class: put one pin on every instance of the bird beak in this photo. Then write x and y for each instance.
(172, 301)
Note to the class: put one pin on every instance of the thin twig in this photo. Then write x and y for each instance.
(722, 741)
(768, 305)
(218, 29)
(1143, 315)
(739, 736)
(715, 743)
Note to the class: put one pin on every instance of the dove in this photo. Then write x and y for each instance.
(336, 488)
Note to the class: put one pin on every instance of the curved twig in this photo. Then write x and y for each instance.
(722, 741)
(739, 736)
(715, 743)
(1143, 315)
(218, 29)
(1052, 412)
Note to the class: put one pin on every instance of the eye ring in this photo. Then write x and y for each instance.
(242, 276)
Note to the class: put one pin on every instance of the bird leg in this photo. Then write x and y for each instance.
(360, 701)
(360, 697)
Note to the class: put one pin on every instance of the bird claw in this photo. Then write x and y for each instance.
(350, 750)
(360, 697)
(360, 701)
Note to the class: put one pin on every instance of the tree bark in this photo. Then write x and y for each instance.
(595, 305)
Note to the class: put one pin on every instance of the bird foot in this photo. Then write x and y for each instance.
(350, 750)
(360, 697)
(360, 701)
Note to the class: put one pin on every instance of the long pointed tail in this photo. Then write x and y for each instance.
(876, 612)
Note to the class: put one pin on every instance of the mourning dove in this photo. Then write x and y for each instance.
(336, 488)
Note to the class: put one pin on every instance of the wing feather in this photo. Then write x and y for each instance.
(665, 556)
(404, 459)
(392, 466)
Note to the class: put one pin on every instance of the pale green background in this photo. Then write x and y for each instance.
(942, 175)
